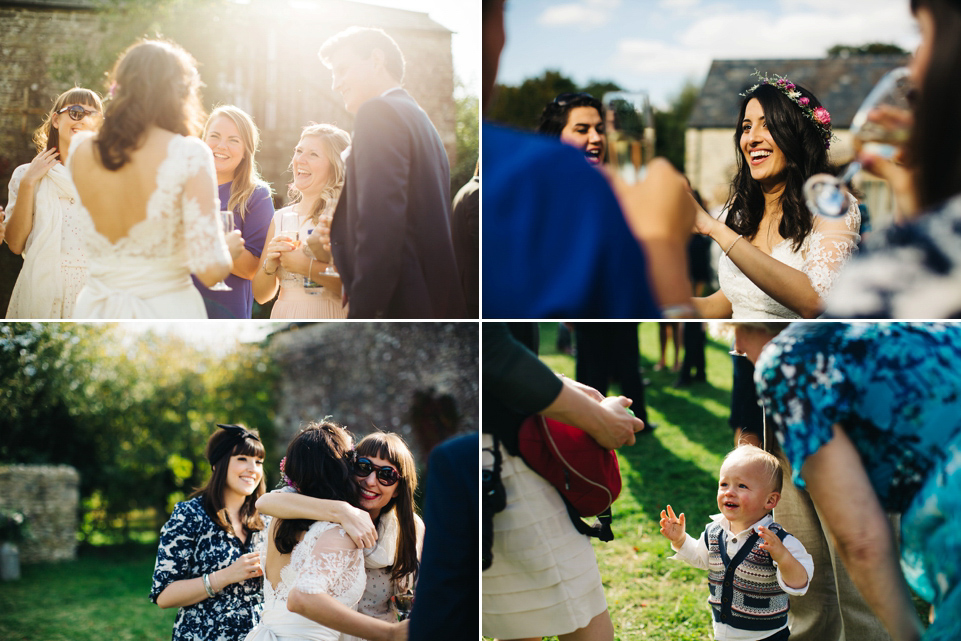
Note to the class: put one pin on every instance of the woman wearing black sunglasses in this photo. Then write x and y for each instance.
(385, 471)
(45, 217)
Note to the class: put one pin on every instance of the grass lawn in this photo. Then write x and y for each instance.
(101, 595)
(649, 596)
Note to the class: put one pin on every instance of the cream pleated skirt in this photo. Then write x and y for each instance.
(544, 578)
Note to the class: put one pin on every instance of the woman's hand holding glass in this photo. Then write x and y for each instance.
(246, 567)
(278, 246)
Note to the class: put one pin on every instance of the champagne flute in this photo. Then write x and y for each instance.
(629, 126)
(308, 282)
(828, 195)
(227, 222)
(402, 604)
(290, 229)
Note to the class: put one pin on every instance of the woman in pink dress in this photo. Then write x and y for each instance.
(287, 263)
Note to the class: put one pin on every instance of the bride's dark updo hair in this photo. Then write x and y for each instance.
(802, 144)
(153, 83)
(318, 464)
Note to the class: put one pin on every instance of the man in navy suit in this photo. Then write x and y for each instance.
(390, 238)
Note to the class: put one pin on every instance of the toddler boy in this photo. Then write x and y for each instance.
(753, 563)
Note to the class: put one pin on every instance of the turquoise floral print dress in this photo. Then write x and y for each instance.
(895, 388)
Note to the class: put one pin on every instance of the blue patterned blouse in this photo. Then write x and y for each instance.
(192, 545)
(896, 389)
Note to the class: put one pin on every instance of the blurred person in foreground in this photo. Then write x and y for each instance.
(912, 269)
(560, 242)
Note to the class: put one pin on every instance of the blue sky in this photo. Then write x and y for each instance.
(654, 45)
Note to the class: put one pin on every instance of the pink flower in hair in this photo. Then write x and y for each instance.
(823, 116)
(804, 100)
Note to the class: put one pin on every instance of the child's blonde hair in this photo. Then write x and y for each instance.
(755, 455)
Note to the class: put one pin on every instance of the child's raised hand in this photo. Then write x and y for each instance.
(772, 544)
(672, 527)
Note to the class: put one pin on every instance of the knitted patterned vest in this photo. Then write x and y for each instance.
(744, 590)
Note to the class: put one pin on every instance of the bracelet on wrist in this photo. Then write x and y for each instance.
(208, 587)
(731, 246)
(684, 310)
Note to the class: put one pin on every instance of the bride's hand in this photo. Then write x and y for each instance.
(358, 525)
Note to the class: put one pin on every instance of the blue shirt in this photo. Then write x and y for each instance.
(556, 244)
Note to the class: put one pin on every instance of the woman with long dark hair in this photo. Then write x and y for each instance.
(313, 569)
(386, 476)
(913, 268)
(46, 220)
(149, 188)
(208, 560)
(779, 260)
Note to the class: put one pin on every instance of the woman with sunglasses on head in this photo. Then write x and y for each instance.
(312, 568)
(149, 188)
(386, 522)
(45, 220)
(578, 120)
(208, 560)
(234, 139)
(779, 260)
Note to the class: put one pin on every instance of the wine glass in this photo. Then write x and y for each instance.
(629, 126)
(290, 229)
(828, 195)
(326, 219)
(402, 604)
(227, 222)
(308, 282)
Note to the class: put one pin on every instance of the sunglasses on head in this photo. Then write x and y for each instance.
(78, 113)
(566, 97)
(386, 475)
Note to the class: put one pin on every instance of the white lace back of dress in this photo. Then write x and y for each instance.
(173, 223)
(821, 257)
(339, 573)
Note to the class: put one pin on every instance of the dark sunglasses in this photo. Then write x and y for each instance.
(564, 98)
(386, 475)
(78, 113)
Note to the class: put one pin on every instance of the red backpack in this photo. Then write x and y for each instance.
(586, 474)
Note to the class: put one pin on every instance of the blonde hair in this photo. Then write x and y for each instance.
(47, 136)
(246, 178)
(754, 455)
(334, 141)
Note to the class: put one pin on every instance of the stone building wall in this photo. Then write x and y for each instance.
(49, 495)
(417, 379)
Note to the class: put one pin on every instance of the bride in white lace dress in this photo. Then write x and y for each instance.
(314, 573)
(150, 192)
(779, 260)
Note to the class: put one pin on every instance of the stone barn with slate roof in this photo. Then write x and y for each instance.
(841, 84)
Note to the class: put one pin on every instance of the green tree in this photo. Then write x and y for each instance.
(468, 117)
(869, 49)
(670, 125)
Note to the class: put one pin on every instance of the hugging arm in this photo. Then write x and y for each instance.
(291, 505)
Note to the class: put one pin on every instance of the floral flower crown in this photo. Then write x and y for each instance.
(818, 115)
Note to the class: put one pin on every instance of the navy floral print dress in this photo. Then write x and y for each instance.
(895, 388)
(192, 545)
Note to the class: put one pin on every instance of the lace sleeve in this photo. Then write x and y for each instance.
(831, 243)
(334, 566)
(206, 247)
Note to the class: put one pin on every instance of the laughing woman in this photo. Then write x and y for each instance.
(318, 169)
(208, 561)
(233, 137)
(578, 120)
(779, 260)
(46, 219)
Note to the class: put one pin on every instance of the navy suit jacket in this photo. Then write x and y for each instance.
(390, 237)
(446, 600)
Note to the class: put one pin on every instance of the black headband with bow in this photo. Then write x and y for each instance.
(236, 435)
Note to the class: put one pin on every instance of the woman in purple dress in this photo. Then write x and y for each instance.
(233, 138)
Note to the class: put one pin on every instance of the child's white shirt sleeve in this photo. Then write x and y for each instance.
(798, 552)
(693, 551)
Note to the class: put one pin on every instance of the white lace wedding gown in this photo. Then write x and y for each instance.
(146, 274)
(821, 256)
(324, 562)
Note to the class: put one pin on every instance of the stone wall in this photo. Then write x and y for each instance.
(49, 496)
(417, 379)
